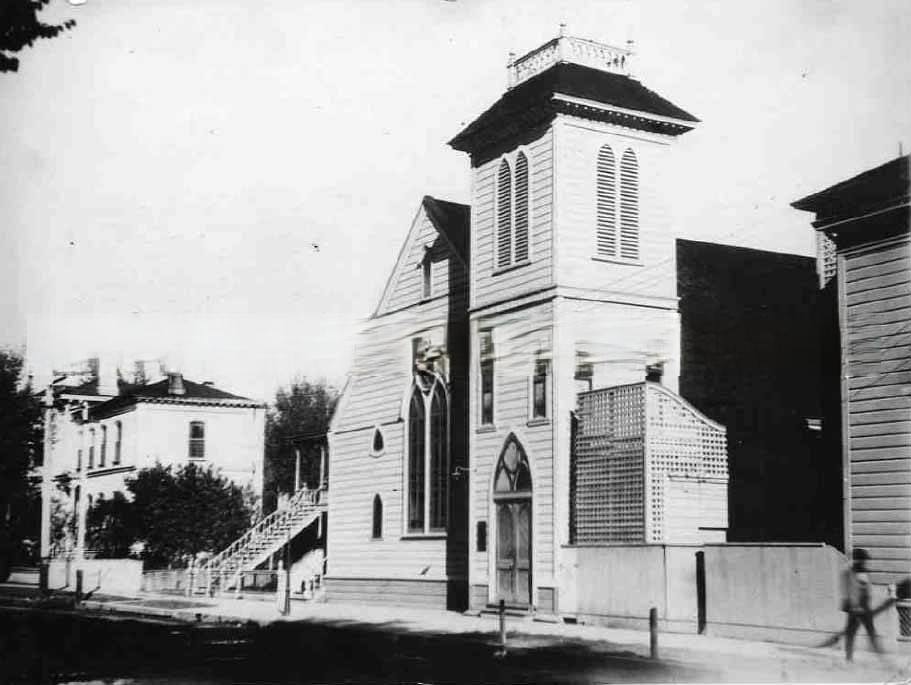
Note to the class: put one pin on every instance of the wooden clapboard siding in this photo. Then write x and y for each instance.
(380, 377)
(519, 336)
(874, 291)
(576, 148)
(489, 285)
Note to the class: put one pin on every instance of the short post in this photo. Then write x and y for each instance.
(191, 573)
(44, 577)
(502, 651)
(653, 632)
(78, 585)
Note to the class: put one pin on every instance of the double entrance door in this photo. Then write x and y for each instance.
(514, 551)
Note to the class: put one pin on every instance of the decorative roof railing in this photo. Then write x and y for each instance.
(569, 49)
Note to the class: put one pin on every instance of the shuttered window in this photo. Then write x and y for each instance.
(521, 236)
(629, 206)
(607, 203)
(504, 215)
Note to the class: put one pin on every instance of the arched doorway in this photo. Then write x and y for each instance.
(512, 503)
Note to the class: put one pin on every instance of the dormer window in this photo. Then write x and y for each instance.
(512, 213)
(617, 206)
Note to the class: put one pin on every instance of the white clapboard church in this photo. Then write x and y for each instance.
(515, 392)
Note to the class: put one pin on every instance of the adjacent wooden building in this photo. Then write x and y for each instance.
(866, 220)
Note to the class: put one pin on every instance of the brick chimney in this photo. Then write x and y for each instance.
(175, 384)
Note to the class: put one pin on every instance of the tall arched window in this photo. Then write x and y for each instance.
(119, 441)
(428, 456)
(607, 203)
(377, 517)
(91, 448)
(102, 454)
(504, 215)
(416, 457)
(521, 228)
(629, 206)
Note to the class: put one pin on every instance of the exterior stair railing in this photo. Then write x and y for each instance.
(223, 570)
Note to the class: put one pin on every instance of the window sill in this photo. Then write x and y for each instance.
(618, 260)
(424, 536)
(512, 267)
(540, 421)
(486, 428)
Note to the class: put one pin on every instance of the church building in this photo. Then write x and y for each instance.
(515, 393)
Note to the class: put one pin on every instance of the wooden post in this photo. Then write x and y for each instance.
(653, 632)
(297, 469)
(502, 651)
(78, 585)
(43, 577)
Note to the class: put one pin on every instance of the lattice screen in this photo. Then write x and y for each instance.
(628, 439)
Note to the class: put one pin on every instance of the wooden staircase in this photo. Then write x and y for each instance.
(222, 572)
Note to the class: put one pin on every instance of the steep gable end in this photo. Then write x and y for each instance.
(438, 236)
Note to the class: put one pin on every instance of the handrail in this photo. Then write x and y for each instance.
(305, 497)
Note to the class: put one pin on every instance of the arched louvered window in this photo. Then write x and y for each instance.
(416, 457)
(607, 203)
(428, 456)
(521, 189)
(439, 419)
(377, 517)
(629, 206)
(504, 215)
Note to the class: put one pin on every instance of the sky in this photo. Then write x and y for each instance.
(227, 184)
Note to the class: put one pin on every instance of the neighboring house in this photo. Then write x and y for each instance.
(99, 434)
(514, 394)
(865, 255)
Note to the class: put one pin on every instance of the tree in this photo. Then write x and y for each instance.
(177, 514)
(20, 27)
(111, 527)
(20, 449)
(301, 410)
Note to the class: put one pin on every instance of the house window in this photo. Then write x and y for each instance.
(377, 517)
(487, 358)
(611, 204)
(512, 212)
(92, 448)
(118, 427)
(79, 453)
(428, 456)
(197, 440)
(539, 389)
(104, 446)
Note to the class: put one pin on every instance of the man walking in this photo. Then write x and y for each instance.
(856, 602)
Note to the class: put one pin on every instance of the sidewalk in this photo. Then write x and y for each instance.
(728, 659)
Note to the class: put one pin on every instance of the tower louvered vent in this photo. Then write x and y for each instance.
(629, 206)
(504, 215)
(521, 238)
(607, 203)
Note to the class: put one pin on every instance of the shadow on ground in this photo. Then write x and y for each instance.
(42, 645)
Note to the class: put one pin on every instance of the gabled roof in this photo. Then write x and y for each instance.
(532, 103)
(194, 393)
(876, 188)
(450, 220)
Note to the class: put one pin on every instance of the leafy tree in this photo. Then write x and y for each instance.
(111, 527)
(178, 513)
(20, 449)
(20, 27)
(301, 410)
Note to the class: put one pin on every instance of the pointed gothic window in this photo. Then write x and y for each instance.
(521, 228)
(513, 475)
(607, 203)
(428, 456)
(504, 215)
(629, 206)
